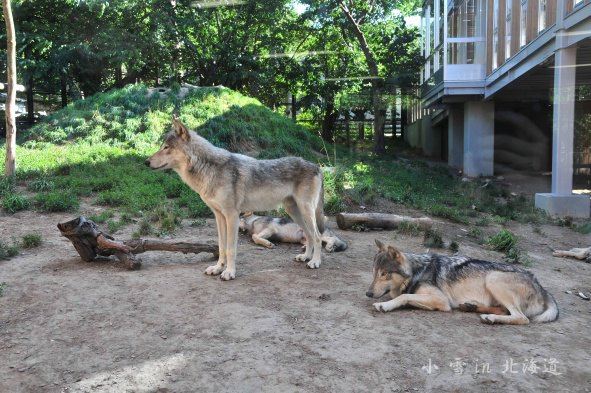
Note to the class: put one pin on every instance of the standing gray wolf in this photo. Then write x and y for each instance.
(231, 183)
(442, 283)
(263, 229)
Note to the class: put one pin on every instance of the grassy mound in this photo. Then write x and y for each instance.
(136, 117)
(94, 150)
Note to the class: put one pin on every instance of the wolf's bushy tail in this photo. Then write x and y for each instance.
(551, 312)
(320, 219)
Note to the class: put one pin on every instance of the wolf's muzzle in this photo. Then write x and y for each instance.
(147, 162)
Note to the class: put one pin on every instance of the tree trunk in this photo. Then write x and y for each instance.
(372, 65)
(118, 76)
(10, 166)
(379, 141)
(294, 108)
(379, 220)
(176, 51)
(29, 89)
(64, 89)
(328, 121)
(347, 128)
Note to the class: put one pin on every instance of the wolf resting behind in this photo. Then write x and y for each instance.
(441, 283)
(232, 183)
(263, 229)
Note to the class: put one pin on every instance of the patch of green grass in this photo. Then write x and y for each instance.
(7, 185)
(433, 239)
(42, 184)
(13, 203)
(517, 256)
(167, 218)
(144, 229)
(2, 288)
(198, 223)
(483, 221)
(57, 201)
(31, 240)
(124, 220)
(476, 234)
(502, 241)
(584, 228)
(102, 217)
(409, 228)
(8, 251)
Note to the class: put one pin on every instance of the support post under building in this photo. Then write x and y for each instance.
(455, 136)
(479, 137)
(561, 201)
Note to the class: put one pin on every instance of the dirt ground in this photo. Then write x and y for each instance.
(68, 325)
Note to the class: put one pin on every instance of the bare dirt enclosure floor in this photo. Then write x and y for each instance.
(68, 325)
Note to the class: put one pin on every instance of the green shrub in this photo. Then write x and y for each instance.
(8, 251)
(454, 247)
(57, 201)
(433, 239)
(503, 241)
(15, 202)
(31, 240)
(517, 256)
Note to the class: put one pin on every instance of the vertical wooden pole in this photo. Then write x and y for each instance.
(10, 166)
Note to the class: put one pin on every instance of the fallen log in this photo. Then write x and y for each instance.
(379, 220)
(91, 242)
(577, 253)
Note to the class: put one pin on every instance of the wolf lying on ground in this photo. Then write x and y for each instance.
(232, 183)
(263, 229)
(442, 283)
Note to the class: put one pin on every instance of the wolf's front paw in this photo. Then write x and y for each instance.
(214, 270)
(488, 319)
(301, 258)
(228, 275)
(270, 245)
(382, 307)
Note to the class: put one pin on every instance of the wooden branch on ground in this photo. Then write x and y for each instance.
(577, 253)
(91, 242)
(379, 220)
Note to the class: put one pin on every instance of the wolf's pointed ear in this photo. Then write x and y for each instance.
(180, 129)
(394, 253)
(380, 245)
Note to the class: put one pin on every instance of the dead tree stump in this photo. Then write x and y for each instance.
(379, 220)
(91, 242)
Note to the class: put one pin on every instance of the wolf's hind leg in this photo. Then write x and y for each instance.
(314, 247)
(505, 288)
(291, 207)
(482, 309)
(261, 238)
(220, 222)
